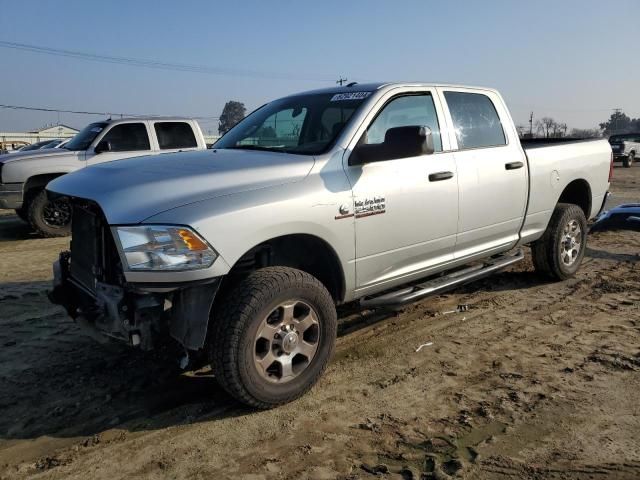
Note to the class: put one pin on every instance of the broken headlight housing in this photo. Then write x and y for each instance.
(163, 248)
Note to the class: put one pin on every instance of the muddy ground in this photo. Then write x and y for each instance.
(536, 380)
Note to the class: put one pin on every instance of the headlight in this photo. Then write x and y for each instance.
(164, 247)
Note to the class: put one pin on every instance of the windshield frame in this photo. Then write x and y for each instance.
(279, 105)
(86, 130)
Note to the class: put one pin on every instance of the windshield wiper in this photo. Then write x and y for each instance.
(256, 147)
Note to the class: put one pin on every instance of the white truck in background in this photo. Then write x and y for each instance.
(625, 148)
(24, 175)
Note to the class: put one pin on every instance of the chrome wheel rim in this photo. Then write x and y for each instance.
(286, 341)
(57, 213)
(571, 243)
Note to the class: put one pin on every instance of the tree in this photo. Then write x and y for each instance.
(546, 126)
(585, 133)
(231, 114)
(620, 123)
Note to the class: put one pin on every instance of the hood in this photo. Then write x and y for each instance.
(19, 167)
(131, 190)
(47, 152)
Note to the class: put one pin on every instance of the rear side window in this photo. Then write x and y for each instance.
(128, 137)
(175, 135)
(475, 120)
(406, 111)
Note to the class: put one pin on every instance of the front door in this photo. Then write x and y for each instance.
(125, 139)
(406, 209)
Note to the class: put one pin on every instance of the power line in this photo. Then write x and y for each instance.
(80, 112)
(156, 64)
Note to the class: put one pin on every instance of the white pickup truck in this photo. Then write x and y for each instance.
(381, 193)
(24, 175)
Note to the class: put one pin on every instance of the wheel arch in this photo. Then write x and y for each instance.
(36, 182)
(578, 192)
(305, 252)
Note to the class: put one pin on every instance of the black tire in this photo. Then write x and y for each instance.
(629, 160)
(548, 251)
(37, 211)
(234, 325)
(22, 214)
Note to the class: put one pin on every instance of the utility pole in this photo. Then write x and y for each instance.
(531, 125)
(341, 80)
(616, 114)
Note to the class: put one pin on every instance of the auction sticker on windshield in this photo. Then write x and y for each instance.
(350, 96)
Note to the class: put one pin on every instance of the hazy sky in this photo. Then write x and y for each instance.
(574, 60)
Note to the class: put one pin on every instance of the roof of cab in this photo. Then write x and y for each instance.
(371, 87)
(148, 118)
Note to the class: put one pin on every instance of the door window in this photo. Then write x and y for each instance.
(175, 135)
(475, 120)
(409, 110)
(128, 137)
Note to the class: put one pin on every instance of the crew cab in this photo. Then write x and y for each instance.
(23, 175)
(625, 147)
(376, 193)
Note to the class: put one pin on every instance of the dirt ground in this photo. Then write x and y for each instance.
(536, 380)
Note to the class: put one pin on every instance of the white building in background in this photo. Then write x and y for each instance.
(50, 132)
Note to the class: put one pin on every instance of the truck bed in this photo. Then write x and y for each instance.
(552, 162)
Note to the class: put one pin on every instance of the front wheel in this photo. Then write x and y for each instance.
(628, 161)
(272, 336)
(559, 252)
(49, 218)
(22, 214)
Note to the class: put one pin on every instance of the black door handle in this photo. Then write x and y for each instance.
(436, 177)
(513, 165)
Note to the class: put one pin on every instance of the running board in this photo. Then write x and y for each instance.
(442, 283)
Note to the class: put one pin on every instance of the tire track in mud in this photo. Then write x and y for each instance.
(572, 299)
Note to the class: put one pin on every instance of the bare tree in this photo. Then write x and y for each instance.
(585, 132)
(545, 126)
(558, 130)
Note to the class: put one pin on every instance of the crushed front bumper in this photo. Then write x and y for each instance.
(11, 196)
(138, 314)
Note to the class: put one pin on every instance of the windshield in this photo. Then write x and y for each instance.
(85, 136)
(305, 124)
(35, 146)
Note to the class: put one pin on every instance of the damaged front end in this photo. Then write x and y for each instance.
(89, 282)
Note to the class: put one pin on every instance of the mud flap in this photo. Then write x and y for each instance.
(190, 314)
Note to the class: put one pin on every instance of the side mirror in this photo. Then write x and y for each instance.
(103, 146)
(399, 142)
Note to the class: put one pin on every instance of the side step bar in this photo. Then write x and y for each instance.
(442, 283)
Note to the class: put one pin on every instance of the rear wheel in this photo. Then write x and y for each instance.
(559, 252)
(272, 336)
(629, 159)
(49, 218)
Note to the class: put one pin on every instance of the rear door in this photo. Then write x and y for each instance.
(127, 140)
(492, 171)
(405, 209)
(174, 136)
